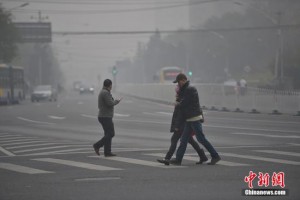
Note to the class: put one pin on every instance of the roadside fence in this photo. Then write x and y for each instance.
(223, 98)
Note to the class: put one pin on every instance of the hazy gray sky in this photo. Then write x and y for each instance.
(83, 57)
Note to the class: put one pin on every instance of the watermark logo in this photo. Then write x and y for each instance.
(263, 181)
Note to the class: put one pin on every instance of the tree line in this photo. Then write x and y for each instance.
(260, 44)
(38, 59)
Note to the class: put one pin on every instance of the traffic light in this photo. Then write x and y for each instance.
(114, 71)
(190, 73)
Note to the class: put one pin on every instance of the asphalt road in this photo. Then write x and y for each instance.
(46, 153)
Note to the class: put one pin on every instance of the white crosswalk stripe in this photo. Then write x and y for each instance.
(31, 145)
(10, 137)
(8, 153)
(76, 164)
(13, 139)
(4, 135)
(146, 161)
(61, 151)
(18, 143)
(22, 169)
(39, 149)
(192, 158)
(279, 152)
(18, 140)
(138, 162)
(266, 159)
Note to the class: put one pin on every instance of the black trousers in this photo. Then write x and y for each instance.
(109, 133)
(174, 140)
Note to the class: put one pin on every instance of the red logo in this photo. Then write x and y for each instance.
(264, 179)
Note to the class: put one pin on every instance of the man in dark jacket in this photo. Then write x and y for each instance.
(177, 126)
(106, 105)
(193, 116)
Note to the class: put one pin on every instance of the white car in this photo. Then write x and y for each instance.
(44, 92)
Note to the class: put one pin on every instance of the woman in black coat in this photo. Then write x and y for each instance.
(177, 126)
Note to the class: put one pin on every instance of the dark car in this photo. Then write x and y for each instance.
(44, 92)
(86, 89)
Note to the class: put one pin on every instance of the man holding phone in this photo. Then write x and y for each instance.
(106, 105)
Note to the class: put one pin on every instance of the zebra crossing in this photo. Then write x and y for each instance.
(12, 145)
(145, 159)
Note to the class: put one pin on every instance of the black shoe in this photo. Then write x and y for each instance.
(110, 155)
(202, 160)
(214, 160)
(174, 162)
(164, 161)
(96, 150)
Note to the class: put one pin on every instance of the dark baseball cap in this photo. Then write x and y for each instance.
(180, 77)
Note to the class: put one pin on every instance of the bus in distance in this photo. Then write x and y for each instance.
(11, 84)
(168, 74)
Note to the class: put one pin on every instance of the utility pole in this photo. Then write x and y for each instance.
(40, 54)
(280, 48)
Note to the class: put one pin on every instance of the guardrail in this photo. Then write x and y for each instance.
(223, 98)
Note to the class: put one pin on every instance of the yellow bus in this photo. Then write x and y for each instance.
(11, 84)
(168, 74)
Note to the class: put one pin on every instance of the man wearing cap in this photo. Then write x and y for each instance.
(193, 116)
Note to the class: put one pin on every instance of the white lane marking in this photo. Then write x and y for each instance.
(253, 129)
(90, 150)
(142, 121)
(121, 115)
(8, 153)
(196, 159)
(56, 117)
(89, 116)
(255, 120)
(97, 179)
(13, 138)
(39, 149)
(57, 152)
(294, 144)
(31, 145)
(205, 125)
(4, 136)
(30, 142)
(148, 113)
(33, 121)
(18, 139)
(265, 135)
(22, 169)
(12, 141)
(279, 152)
(266, 159)
(165, 113)
(95, 117)
(137, 162)
(158, 113)
(76, 164)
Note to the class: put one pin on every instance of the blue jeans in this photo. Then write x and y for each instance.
(195, 126)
